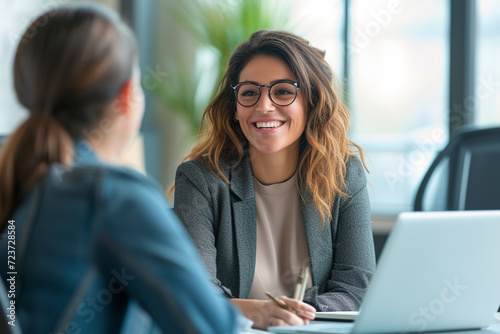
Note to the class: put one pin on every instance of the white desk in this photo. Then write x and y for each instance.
(493, 329)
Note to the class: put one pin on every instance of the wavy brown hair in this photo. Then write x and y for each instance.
(324, 148)
(69, 66)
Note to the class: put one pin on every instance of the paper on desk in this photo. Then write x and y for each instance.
(245, 326)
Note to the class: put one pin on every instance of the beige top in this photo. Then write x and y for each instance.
(281, 239)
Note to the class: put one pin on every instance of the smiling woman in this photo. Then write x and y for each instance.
(274, 185)
(273, 130)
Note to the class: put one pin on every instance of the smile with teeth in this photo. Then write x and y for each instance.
(269, 125)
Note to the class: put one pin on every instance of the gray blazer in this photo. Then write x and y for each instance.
(221, 219)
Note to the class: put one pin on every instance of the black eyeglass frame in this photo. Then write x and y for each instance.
(296, 84)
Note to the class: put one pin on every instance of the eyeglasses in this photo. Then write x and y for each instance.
(282, 93)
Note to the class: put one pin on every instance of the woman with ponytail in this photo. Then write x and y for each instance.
(95, 244)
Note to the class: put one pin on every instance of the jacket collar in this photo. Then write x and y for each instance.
(84, 155)
(241, 178)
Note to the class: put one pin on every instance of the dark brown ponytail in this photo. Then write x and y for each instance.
(69, 66)
(37, 143)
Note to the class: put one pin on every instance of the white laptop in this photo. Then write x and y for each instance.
(438, 271)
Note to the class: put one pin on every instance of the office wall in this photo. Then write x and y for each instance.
(15, 16)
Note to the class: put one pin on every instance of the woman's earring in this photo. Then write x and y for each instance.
(235, 119)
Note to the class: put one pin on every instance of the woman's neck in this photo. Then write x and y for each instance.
(273, 168)
(104, 150)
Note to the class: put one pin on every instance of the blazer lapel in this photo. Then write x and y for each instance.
(319, 241)
(245, 222)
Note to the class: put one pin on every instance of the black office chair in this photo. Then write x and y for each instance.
(465, 175)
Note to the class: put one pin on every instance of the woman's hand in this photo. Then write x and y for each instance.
(266, 313)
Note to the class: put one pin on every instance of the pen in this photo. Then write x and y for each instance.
(285, 306)
(280, 303)
(300, 288)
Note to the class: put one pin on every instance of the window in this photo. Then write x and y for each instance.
(398, 93)
(396, 88)
(487, 90)
(321, 22)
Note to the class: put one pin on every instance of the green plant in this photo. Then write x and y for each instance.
(217, 26)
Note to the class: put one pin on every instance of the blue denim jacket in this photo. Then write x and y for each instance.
(93, 242)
